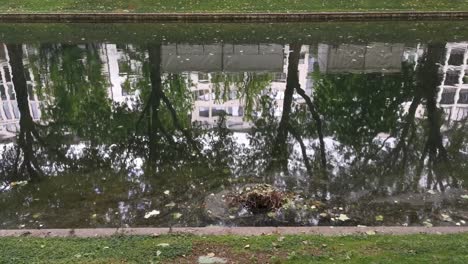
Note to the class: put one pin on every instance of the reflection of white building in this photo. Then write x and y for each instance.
(453, 93)
(9, 113)
(122, 71)
(211, 67)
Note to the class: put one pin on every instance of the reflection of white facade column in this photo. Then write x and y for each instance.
(117, 77)
(453, 92)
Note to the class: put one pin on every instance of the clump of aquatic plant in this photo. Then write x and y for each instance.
(259, 198)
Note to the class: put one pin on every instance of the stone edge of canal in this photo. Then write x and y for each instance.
(243, 231)
(230, 17)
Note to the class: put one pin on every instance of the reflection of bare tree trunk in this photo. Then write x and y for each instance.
(154, 101)
(153, 107)
(280, 151)
(430, 79)
(280, 147)
(436, 149)
(318, 123)
(293, 70)
(28, 131)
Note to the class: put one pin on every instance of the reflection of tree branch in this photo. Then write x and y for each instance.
(409, 123)
(318, 122)
(303, 148)
(176, 122)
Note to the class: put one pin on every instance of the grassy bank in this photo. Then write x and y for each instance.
(228, 5)
(237, 249)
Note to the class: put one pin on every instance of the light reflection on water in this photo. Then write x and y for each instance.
(104, 133)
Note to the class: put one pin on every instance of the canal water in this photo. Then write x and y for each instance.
(117, 125)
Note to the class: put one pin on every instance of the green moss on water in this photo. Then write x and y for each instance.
(410, 32)
(288, 249)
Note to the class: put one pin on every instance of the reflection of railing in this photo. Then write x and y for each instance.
(222, 58)
(374, 57)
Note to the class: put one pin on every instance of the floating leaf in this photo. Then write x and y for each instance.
(379, 218)
(427, 223)
(152, 213)
(18, 183)
(343, 217)
(36, 215)
(446, 217)
(171, 204)
(167, 192)
(176, 215)
(163, 245)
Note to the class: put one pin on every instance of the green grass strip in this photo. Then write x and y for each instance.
(241, 6)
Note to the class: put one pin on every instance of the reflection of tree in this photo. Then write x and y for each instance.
(28, 135)
(360, 106)
(248, 87)
(160, 112)
(280, 152)
(433, 147)
(76, 83)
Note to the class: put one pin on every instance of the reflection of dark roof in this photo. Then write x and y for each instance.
(222, 58)
(377, 57)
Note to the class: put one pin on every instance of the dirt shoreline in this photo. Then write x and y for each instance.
(230, 17)
(243, 231)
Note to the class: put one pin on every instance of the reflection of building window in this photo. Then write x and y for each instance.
(232, 95)
(217, 111)
(16, 110)
(11, 91)
(448, 97)
(6, 110)
(240, 111)
(456, 57)
(463, 99)
(2, 92)
(203, 77)
(202, 95)
(34, 110)
(30, 91)
(302, 58)
(204, 112)
(280, 77)
(7, 74)
(235, 111)
(451, 78)
(27, 76)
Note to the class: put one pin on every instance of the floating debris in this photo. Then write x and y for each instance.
(152, 213)
(343, 217)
